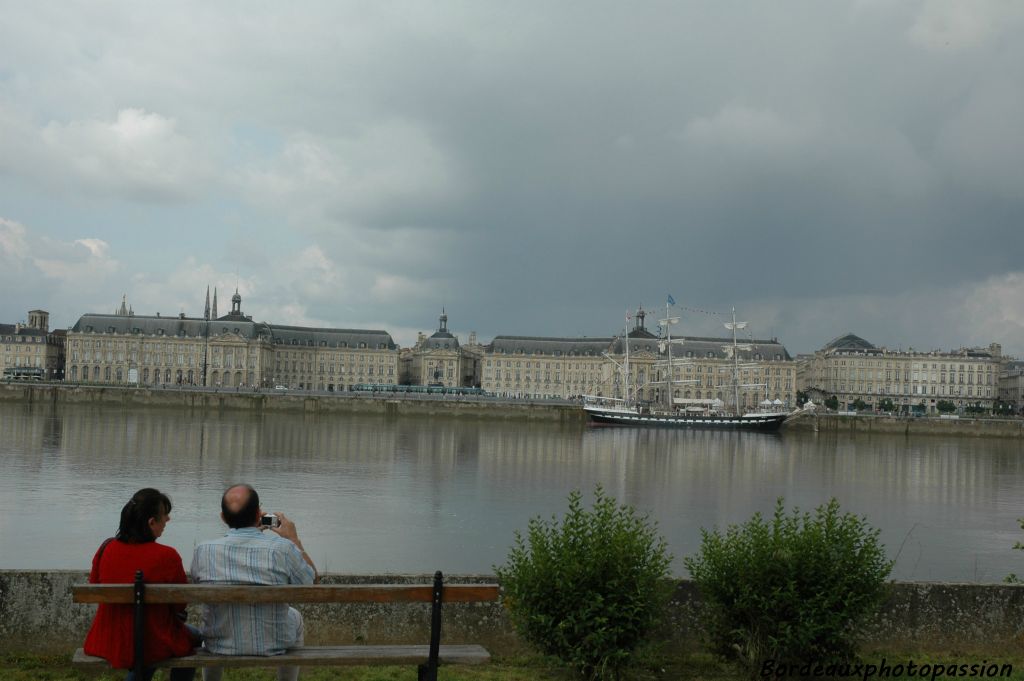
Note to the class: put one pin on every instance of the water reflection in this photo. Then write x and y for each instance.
(382, 494)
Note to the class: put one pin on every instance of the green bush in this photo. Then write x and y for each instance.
(795, 588)
(590, 589)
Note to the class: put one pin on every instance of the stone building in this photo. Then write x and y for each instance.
(1011, 385)
(31, 351)
(227, 351)
(541, 367)
(701, 368)
(703, 371)
(850, 368)
(441, 360)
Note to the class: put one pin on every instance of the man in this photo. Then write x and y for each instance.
(248, 554)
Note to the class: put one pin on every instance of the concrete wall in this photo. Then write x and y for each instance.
(36, 614)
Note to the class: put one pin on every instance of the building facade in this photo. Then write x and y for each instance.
(851, 369)
(440, 360)
(699, 371)
(1011, 386)
(228, 351)
(30, 351)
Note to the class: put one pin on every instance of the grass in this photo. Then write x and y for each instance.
(650, 667)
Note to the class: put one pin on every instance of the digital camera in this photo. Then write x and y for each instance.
(270, 520)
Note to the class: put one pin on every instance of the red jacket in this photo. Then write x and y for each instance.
(110, 636)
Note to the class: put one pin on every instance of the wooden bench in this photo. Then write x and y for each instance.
(427, 657)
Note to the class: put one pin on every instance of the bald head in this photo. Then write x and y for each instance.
(240, 506)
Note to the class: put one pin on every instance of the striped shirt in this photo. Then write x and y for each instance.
(249, 556)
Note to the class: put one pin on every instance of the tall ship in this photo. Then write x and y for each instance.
(673, 412)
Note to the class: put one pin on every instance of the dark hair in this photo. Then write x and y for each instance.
(245, 516)
(145, 504)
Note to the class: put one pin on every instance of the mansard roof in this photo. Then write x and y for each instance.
(848, 342)
(530, 345)
(701, 346)
(646, 342)
(441, 340)
(333, 338)
(178, 326)
(242, 326)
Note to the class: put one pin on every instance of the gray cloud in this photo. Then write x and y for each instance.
(538, 168)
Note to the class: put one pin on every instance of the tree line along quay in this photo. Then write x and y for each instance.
(232, 351)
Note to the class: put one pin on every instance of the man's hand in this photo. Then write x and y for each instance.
(287, 530)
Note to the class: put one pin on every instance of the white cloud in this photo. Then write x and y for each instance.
(13, 243)
(138, 155)
(73, 263)
(60, 276)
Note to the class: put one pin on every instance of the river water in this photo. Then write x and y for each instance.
(386, 495)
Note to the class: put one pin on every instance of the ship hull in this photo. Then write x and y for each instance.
(756, 422)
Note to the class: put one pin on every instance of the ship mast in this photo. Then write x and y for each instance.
(668, 321)
(733, 326)
(625, 389)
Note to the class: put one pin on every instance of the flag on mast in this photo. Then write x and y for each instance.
(671, 300)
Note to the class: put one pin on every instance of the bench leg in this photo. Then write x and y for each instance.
(428, 671)
(139, 626)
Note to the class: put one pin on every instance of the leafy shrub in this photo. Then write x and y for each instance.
(590, 589)
(795, 588)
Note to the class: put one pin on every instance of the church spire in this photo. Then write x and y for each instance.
(214, 313)
(206, 312)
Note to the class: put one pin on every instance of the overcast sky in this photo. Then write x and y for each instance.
(534, 168)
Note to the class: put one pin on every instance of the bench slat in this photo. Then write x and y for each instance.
(292, 593)
(318, 656)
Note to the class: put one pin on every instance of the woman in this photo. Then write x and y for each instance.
(143, 520)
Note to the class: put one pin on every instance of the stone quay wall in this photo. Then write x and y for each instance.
(37, 615)
(292, 402)
(128, 397)
(867, 424)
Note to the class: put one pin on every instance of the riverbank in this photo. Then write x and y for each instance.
(461, 406)
(268, 401)
(868, 424)
(37, 615)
